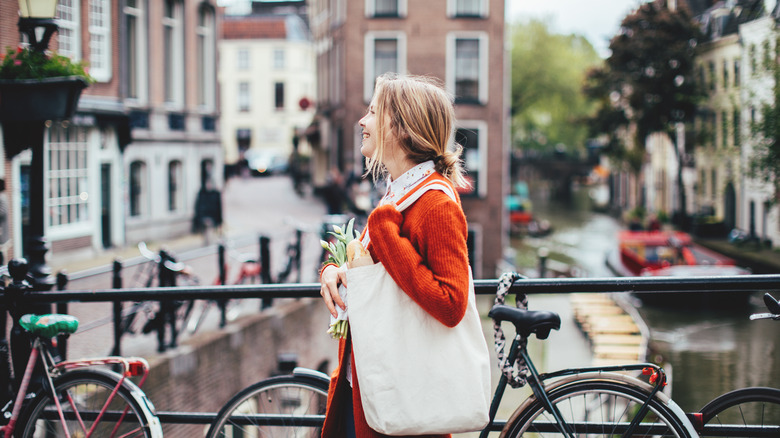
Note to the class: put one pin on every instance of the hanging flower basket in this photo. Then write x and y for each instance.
(28, 100)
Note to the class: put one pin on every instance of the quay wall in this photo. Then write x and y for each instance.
(206, 370)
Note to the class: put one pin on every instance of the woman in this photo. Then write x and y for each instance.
(406, 138)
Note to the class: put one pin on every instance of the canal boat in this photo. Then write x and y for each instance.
(673, 254)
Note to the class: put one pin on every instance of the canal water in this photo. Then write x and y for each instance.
(707, 352)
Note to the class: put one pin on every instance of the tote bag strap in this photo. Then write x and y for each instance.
(415, 195)
(412, 198)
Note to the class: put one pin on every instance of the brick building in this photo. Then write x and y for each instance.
(461, 42)
(147, 125)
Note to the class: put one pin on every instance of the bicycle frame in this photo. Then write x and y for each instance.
(131, 367)
(535, 381)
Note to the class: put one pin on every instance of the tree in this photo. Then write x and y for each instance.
(648, 81)
(548, 107)
(764, 162)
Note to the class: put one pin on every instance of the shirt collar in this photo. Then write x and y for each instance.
(396, 189)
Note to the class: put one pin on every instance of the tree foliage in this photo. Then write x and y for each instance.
(648, 80)
(764, 162)
(548, 69)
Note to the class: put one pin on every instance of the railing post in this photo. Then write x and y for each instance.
(167, 311)
(542, 253)
(222, 281)
(298, 238)
(116, 283)
(62, 308)
(265, 267)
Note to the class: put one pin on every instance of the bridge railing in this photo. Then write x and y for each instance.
(724, 284)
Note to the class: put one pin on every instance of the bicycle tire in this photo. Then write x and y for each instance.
(757, 406)
(595, 408)
(292, 395)
(82, 393)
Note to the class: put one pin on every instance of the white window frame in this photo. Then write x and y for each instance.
(175, 81)
(175, 186)
(244, 96)
(369, 50)
(452, 9)
(483, 39)
(481, 128)
(100, 40)
(141, 55)
(371, 9)
(243, 59)
(143, 194)
(207, 59)
(69, 24)
(279, 60)
(67, 181)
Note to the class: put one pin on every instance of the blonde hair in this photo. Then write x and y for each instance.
(420, 116)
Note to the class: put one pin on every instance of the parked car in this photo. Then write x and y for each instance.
(266, 162)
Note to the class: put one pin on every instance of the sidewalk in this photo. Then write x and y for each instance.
(251, 207)
(760, 259)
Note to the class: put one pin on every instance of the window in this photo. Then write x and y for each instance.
(385, 52)
(206, 53)
(467, 67)
(68, 202)
(724, 125)
(243, 96)
(386, 8)
(703, 184)
(714, 183)
(135, 50)
(472, 136)
(711, 65)
(702, 76)
(68, 22)
(279, 96)
(737, 128)
(243, 59)
(467, 8)
(278, 59)
(137, 189)
(725, 74)
(175, 192)
(100, 40)
(736, 73)
(752, 57)
(767, 55)
(173, 51)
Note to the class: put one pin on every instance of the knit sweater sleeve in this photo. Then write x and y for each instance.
(424, 251)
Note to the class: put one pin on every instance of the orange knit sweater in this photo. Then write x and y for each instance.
(424, 250)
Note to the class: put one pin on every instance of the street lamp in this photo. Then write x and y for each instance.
(37, 103)
(34, 14)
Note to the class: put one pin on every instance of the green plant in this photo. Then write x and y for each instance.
(25, 63)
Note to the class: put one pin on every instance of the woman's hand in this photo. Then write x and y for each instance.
(330, 279)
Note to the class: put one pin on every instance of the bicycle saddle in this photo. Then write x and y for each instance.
(49, 326)
(538, 322)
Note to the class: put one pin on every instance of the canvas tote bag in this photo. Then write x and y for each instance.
(417, 376)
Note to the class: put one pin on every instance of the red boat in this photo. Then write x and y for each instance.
(673, 254)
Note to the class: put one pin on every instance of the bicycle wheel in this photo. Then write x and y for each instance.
(757, 407)
(83, 394)
(286, 397)
(595, 408)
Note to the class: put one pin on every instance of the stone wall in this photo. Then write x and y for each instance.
(206, 370)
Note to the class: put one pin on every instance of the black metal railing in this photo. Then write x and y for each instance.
(724, 284)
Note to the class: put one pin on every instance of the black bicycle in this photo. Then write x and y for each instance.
(167, 317)
(745, 412)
